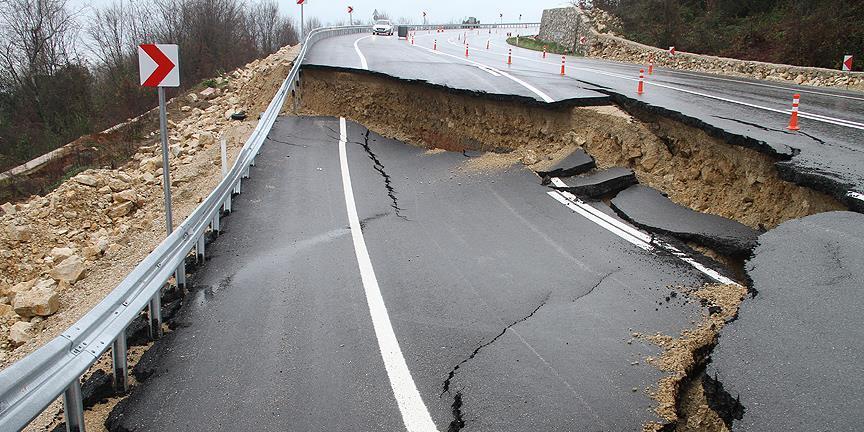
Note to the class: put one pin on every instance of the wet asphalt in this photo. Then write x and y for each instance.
(480, 270)
(827, 154)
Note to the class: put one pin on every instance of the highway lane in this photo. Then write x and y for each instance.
(826, 154)
(497, 295)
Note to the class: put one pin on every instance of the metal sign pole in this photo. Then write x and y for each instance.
(302, 24)
(166, 172)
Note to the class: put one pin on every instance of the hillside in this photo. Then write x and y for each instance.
(805, 33)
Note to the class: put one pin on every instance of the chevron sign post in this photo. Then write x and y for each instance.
(158, 66)
(847, 63)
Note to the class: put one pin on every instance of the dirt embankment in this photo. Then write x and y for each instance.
(695, 169)
(61, 253)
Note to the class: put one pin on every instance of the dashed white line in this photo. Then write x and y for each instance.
(415, 415)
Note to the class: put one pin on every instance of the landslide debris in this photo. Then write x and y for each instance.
(61, 253)
(695, 169)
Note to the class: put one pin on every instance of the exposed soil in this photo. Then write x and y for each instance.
(692, 167)
(679, 395)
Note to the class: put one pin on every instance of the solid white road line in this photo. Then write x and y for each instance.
(856, 195)
(415, 415)
(627, 232)
(530, 88)
(363, 63)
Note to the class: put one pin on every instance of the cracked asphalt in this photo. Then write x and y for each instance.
(512, 312)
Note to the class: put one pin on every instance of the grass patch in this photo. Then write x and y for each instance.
(538, 44)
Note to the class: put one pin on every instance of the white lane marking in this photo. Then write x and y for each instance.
(629, 233)
(363, 63)
(415, 415)
(530, 88)
(817, 117)
(856, 195)
(487, 70)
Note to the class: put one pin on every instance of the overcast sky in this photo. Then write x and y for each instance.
(331, 11)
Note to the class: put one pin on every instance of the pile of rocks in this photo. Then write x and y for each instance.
(50, 245)
(603, 42)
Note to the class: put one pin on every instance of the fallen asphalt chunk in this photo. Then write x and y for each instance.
(577, 162)
(599, 183)
(793, 355)
(649, 209)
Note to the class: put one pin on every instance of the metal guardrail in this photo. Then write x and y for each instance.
(30, 385)
(470, 26)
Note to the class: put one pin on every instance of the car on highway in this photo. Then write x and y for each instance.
(383, 27)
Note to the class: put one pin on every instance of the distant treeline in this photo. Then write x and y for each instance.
(66, 73)
(800, 32)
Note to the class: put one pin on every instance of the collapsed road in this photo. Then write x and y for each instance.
(367, 284)
(825, 155)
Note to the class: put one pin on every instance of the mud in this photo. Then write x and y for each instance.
(695, 169)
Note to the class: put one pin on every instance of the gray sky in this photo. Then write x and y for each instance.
(438, 10)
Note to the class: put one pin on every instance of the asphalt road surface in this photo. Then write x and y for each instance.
(365, 284)
(827, 154)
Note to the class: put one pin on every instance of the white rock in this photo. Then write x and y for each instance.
(19, 232)
(21, 332)
(61, 253)
(41, 300)
(125, 196)
(8, 208)
(87, 180)
(121, 209)
(69, 270)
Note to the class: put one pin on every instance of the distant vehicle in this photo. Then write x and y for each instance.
(383, 27)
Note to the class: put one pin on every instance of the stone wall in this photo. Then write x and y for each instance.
(560, 26)
(570, 23)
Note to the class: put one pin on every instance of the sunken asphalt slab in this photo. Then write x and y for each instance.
(825, 156)
(794, 354)
(599, 183)
(577, 162)
(649, 209)
(483, 271)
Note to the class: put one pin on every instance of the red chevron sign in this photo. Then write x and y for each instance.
(157, 65)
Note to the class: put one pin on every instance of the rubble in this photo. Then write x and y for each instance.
(61, 253)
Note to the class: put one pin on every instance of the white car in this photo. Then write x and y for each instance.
(382, 27)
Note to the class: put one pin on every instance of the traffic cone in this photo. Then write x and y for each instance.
(641, 88)
(793, 121)
(510, 56)
(435, 45)
(651, 68)
(487, 44)
(563, 60)
(544, 51)
(466, 49)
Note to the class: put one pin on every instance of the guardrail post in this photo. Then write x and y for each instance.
(237, 187)
(199, 249)
(118, 361)
(180, 275)
(154, 311)
(73, 407)
(215, 223)
(226, 206)
(246, 172)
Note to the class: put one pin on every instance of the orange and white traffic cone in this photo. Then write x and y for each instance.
(651, 68)
(563, 60)
(793, 121)
(641, 88)
(466, 49)
(510, 56)
(544, 51)
(435, 45)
